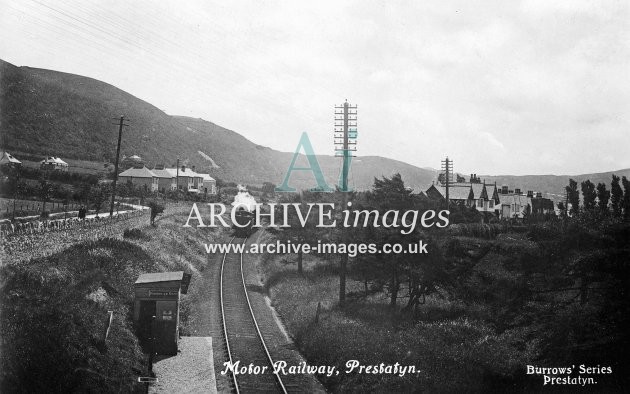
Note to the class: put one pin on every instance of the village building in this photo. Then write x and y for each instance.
(513, 203)
(209, 184)
(516, 205)
(140, 177)
(542, 206)
(460, 194)
(187, 179)
(166, 180)
(7, 160)
(484, 197)
(53, 163)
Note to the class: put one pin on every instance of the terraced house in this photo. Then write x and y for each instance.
(166, 179)
(140, 177)
(484, 197)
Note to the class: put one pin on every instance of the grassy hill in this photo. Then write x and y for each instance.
(552, 186)
(44, 112)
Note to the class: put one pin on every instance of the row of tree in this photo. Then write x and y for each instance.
(615, 201)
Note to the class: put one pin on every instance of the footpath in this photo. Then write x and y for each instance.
(191, 371)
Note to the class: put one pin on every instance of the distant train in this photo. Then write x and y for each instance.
(245, 204)
(243, 216)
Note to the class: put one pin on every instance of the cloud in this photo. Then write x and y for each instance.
(492, 140)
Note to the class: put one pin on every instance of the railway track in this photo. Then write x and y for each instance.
(244, 342)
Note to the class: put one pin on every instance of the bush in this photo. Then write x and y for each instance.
(134, 233)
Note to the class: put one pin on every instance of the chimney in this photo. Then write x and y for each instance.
(530, 194)
(511, 191)
(504, 189)
(538, 195)
(183, 168)
(517, 191)
(193, 168)
(159, 167)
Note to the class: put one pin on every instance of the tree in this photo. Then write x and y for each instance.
(296, 233)
(625, 203)
(573, 196)
(588, 195)
(603, 196)
(45, 192)
(616, 195)
(156, 209)
(391, 194)
(98, 195)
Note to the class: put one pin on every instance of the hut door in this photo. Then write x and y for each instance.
(147, 311)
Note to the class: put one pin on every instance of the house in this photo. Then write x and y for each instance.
(7, 160)
(209, 184)
(53, 163)
(187, 179)
(140, 177)
(166, 180)
(514, 204)
(541, 205)
(484, 197)
(457, 193)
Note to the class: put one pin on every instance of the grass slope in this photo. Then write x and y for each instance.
(53, 309)
(44, 112)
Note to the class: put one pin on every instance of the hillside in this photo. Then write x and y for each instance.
(44, 112)
(552, 186)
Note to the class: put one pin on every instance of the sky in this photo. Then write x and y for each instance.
(500, 87)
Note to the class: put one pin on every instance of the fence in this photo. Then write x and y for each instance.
(30, 207)
(24, 241)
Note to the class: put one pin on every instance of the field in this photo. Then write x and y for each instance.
(32, 207)
(78, 166)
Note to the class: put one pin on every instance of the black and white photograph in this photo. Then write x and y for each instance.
(282, 196)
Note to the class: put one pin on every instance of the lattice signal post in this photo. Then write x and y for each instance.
(447, 168)
(345, 147)
(345, 138)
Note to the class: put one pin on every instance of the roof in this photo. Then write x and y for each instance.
(186, 172)
(160, 277)
(53, 160)
(478, 190)
(207, 177)
(138, 173)
(509, 199)
(6, 158)
(542, 203)
(162, 173)
(174, 276)
(492, 190)
(454, 192)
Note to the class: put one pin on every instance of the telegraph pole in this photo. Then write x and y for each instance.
(447, 167)
(177, 181)
(120, 128)
(345, 143)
